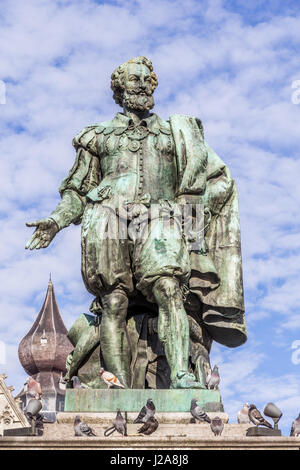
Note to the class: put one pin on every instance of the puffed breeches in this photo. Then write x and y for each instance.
(117, 256)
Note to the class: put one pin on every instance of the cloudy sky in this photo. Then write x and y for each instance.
(231, 63)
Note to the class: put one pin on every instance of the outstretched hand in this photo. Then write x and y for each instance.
(46, 229)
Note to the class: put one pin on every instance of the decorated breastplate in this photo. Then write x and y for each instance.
(117, 142)
(135, 136)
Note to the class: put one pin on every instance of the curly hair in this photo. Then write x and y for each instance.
(117, 77)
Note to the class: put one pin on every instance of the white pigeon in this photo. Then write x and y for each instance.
(110, 379)
(213, 379)
(243, 415)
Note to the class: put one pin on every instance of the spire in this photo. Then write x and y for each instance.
(46, 346)
(43, 353)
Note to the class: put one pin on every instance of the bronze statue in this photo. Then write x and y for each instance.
(124, 168)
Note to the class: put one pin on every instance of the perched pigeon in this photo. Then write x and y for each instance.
(295, 430)
(198, 413)
(146, 412)
(77, 383)
(243, 415)
(81, 428)
(110, 379)
(256, 417)
(217, 426)
(33, 388)
(149, 426)
(213, 379)
(119, 425)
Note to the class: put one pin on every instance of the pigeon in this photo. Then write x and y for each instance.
(77, 383)
(149, 426)
(217, 426)
(119, 425)
(146, 412)
(213, 379)
(295, 430)
(33, 388)
(110, 379)
(256, 417)
(81, 428)
(243, 415)
(198, 413)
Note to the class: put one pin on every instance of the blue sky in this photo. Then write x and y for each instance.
(230, 63)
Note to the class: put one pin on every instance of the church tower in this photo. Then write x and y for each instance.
(43, 352)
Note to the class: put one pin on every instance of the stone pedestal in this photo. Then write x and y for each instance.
(132, 400)
(259, 431)
(180, 437)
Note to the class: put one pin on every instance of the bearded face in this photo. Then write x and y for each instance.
(138, 88)
(138, 101)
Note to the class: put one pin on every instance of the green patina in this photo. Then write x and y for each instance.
(193, 295)
(133, 400)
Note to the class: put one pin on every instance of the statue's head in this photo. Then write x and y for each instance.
(133, 84)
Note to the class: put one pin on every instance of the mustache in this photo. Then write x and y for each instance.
(138, 91)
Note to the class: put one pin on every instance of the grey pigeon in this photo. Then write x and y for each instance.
(120, 423)
(295, 430)
(146, 412)
(77, 383)
(256, 417)
(213, 379)
(81, 428)
(243, 415)
(149, 427)
(198, 413)
(217, 426)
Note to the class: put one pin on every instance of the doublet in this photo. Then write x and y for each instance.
(134, 161)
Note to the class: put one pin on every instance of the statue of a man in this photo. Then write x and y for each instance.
(141, 160)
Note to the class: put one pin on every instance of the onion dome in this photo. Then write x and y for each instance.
(46, 346)
(43, 353)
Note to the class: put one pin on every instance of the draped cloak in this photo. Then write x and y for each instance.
(216, 277)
